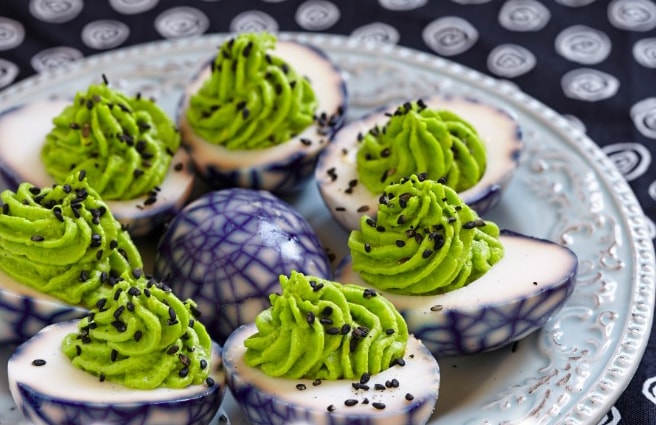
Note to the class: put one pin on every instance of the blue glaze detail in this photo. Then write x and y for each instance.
(491, 327)
(39, 408)
(263, 408)
(282, 177)
(224, 251)
(23, 316)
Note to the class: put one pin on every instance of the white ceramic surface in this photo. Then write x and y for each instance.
(565, 189)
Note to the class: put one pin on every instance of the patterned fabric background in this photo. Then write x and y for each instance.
(592, 60)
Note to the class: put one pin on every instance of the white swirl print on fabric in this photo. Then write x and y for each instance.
(402, 4)
(649, 389)
(631, 159)
(8, 72)
(510, 60)
(651, 226)
(589, 85)
(575, 3)
(582, 44)
(56, 11)
(54, 58)
(181, 21)
(378, 32)
(12, 33)
(105, 34)
(253, 21)
(523, 15)
(613, 417)
(450, 35)
(643, 115)
(632, 15)
(132, 7)
(471, 1)
(317, 15)
(644, 52)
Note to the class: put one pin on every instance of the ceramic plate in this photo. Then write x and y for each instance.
(566, 190)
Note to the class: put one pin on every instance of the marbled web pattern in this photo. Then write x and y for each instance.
(594, 61)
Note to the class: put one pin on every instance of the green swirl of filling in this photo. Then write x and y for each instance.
(253, 99)
(420, 140)
(424, 240)
(63, 241)
(318, 329)
(125, 144)
(143, 337)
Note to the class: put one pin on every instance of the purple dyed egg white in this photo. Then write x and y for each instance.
(23, 132)
(227, 249)
(337, 164)
(285, 167)
(401, 395)
(49, 390)
(25, 311)
(513, 299)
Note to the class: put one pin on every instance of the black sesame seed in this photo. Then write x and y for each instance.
(350, 402)
(363, 208)
(306, 142)
(185, 360)
(119, 325)
(367, 247)
(333, 331)
(409, 397)
(82, 175)
(119, 311)
(37, 238)
(183, 372)
(331, 408)
(326, 321)
(134, 291)
(427, 253)
(209, 381)
(379, 387)
(38, 362)
(101, 378)
(378, 405)
(400, 243)
(437, 307)
(327, 311)
(389, 331)
(309, 317)
(345, 329)
(316, 382)
(138, 335)
(364, 378)
(301, 387)
(113, 356)
(369, 293)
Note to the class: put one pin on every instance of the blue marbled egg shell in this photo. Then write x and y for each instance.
(227, 249)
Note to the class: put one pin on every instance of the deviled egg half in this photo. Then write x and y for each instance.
(471, 146)
(127, 145)
(62, 250)
(261, 111)
(226, 250)
(327, 353)
(140, 357)
(462, 285)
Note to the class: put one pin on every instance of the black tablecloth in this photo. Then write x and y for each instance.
(592, 60)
